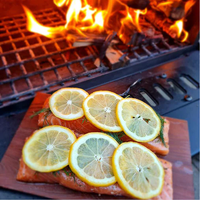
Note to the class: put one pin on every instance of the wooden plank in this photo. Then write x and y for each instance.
(179, 156)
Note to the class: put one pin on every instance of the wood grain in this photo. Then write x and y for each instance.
(179, 156)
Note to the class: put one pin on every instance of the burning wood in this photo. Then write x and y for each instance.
(175, 10)
(116, 57)
(90, 39)
(166, 25)
(162, 13)
(89, 22)
(86, 25)
(159, 21)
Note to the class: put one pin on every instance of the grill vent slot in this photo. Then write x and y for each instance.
(189, 81)
(148, 97)
(176, 86)
(163, 92)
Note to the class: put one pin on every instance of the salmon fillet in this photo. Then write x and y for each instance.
(82, 126)
(156, 145)
(26, 174)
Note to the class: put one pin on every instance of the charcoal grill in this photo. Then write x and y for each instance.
(31, 63)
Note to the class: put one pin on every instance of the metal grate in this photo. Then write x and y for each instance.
(30, 62)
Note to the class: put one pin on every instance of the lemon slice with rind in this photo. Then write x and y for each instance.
(138, 120)
(138, 170)
(47, 149)
(90, 159)
(67, 103)
(100, 109)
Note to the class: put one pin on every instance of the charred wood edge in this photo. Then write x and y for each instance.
(111, 53)
(136, 39)
(174, 11)
(119, 61)
(88, 41)
(106, 44)
(160, 22)
(116, 57)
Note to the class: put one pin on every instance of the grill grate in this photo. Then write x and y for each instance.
(30, 62)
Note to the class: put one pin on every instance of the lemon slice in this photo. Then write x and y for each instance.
(47, 149)
(99, 108)
(137, 170)
(138, 120)
(67, 103)
(90, 158)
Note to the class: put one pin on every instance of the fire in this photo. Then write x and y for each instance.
(88, 13)
(34, 26)
(61, 3)
(128, 23)
(73, 12)
(178, 28)
(137, 23)
(164, 3)
(98, 24)
(188, 5)
(82, 18)
(99, 19)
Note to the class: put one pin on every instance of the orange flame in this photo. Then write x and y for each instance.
(188, 5)
(34, 26)
(98, 24)
(177, 27)
(137, 23)
(164, 3)
(61, 3)
(133, 19)
(82, 18)
(88, 13)
(73, 12)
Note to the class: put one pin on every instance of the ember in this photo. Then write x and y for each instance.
(178, 26)
(169, 16)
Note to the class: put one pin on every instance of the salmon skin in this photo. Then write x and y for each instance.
(83, 126)
(64, 178)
